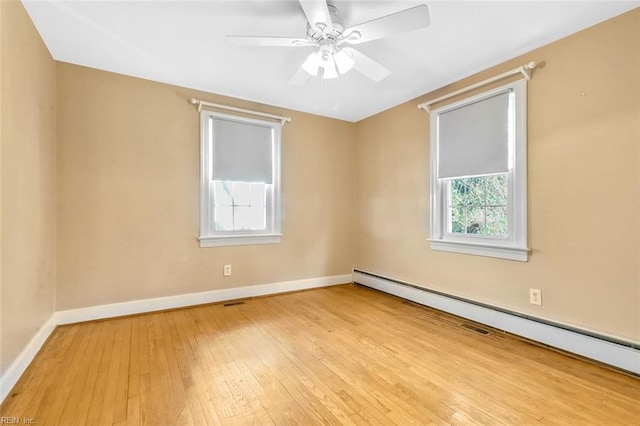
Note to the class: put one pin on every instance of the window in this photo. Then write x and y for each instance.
(478, 174)
(240, 180)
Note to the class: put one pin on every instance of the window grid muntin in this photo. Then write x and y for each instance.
(235, 206)
(465, 206)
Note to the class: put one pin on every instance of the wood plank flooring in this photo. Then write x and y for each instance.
(338, 355)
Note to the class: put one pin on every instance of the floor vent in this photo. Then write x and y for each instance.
(234, 303)
(475, 329)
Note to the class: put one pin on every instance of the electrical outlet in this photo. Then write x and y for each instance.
(535, 296)
(227, 271)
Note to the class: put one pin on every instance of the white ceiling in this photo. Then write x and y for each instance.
(183, 43)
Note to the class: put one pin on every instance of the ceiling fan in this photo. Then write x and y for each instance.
(327, 32)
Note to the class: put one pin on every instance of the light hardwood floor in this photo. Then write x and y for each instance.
(338, 355)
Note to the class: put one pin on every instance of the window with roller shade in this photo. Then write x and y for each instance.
(478, 174)
(240, 172)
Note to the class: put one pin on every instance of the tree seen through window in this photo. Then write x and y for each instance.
(478, 205)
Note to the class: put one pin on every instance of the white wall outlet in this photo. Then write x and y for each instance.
(535, 296)
(226, 271)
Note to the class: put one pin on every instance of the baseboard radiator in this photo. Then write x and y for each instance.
(615, 352)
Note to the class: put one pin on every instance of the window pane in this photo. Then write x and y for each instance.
(241, 217)
(456, 220)
(240, 206)
(258, 194)
(241, 193)
(223, 192)
(258, 218)
(475, 191)
(224, 218)
(496, 187)
(496, 221)
(457, 190)
(475, 220)
(478, 205)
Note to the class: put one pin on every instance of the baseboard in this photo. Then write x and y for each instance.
(183, 300)
(622, 355)
(18, 367)
(20, 364)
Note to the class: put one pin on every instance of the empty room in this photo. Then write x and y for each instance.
(319, 212)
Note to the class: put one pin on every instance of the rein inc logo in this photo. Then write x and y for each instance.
(17, 421)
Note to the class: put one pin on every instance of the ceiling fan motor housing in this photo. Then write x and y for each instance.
(318, 34)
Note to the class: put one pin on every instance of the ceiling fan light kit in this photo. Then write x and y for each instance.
(328, 63)
(326, 30)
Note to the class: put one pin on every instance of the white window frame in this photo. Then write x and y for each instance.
(209, 237)
(514, 246)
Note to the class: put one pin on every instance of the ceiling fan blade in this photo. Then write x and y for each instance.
(317, 13)
(300, 77)
(367, 66)
(268, 41)
(399, 22)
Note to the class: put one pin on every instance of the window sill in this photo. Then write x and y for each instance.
(240, 240)
(503, 252)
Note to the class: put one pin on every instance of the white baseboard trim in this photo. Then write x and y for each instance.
(183, 300)
(18, 367)
(619, 355)
(20, 364)
(113, 310)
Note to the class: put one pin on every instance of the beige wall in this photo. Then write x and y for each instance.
(584, 190)
(128, 187)
(28, 176)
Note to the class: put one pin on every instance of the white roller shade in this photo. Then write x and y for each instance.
(241, 151)
(474, 139)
